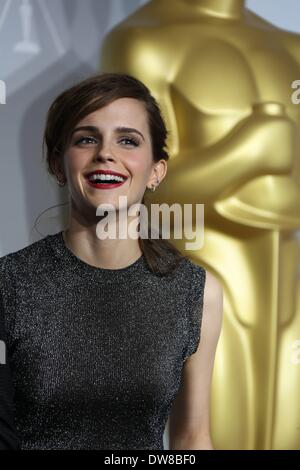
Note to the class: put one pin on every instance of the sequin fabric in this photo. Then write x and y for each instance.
(95, 355)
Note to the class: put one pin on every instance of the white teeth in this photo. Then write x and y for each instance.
(103, 177)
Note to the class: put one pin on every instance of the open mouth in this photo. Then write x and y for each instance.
(105, 181)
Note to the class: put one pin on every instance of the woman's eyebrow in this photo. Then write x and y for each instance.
(129, 130)
(85, 128)
(117, 129)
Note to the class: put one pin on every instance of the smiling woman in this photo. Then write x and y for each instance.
(110, 124)
(99, 331)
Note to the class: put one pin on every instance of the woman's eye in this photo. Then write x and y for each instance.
(86, 140)
(130, 141)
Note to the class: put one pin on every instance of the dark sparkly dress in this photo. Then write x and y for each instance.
(93, 356)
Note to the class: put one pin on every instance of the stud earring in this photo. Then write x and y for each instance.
(60, 182)
(153, 187)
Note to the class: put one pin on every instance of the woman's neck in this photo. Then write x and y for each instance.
(108, 254)
(221, 8)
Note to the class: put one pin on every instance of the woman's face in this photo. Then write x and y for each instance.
(99, 143)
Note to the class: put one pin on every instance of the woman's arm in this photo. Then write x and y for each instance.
(189, 424)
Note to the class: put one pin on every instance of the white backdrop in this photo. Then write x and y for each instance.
(65, 40)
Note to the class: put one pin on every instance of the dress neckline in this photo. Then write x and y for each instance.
(72, 261)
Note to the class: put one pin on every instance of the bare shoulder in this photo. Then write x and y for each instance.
(211, 321)
(212, 313)
(213, 293)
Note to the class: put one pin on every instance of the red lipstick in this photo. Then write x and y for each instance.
(112, 179)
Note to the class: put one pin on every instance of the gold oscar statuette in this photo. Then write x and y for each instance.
(222, 76)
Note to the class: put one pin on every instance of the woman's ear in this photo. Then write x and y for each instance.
(57, 167)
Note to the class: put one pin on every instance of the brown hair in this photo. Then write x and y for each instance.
(89, 95)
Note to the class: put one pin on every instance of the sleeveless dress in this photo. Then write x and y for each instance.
(94, 356)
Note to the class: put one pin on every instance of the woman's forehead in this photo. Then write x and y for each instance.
(126, 112)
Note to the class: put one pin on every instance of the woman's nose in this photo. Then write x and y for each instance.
(104, 152)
